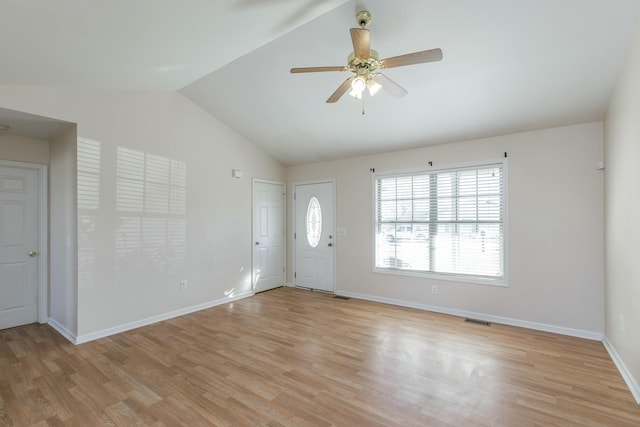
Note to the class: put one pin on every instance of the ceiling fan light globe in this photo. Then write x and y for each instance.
(373, 87)
(358, 85)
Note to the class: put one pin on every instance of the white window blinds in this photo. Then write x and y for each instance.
(449, 222)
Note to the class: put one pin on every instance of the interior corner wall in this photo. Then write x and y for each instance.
(24, 149)
(156, 204)
(63, 289)
(622, 210)
(555, 234)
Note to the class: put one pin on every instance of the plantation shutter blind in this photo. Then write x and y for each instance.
(446, 222)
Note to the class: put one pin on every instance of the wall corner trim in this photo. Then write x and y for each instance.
(149, 320)
(626, 375)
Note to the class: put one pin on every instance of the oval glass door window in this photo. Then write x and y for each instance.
(314, 222)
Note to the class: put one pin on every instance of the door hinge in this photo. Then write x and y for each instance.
(283, 269)
(294, 235)
(295, 275)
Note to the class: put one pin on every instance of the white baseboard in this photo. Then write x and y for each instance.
(62, 330)
(596, 336)
(626, 375)
(148, 321)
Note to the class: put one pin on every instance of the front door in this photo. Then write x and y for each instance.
(19, 218)
(314, 236)
(268, 235)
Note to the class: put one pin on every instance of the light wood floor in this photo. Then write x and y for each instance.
(290, 357)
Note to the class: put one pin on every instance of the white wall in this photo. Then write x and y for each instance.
(130, 263)
(24, 149)
(63, 290)
(555, 229)
(622, 225)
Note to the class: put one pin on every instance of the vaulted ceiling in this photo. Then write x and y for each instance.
(508, 65)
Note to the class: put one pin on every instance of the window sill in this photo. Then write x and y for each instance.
(500, 282)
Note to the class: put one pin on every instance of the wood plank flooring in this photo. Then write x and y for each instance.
(290, 357)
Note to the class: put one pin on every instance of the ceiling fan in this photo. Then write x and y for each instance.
(364, 62)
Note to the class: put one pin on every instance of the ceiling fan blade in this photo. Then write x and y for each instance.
(342, 89)
(421, 57)
(361, 43)
(391, 87)
(317, 69)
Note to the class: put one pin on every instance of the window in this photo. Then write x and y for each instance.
(314, 222)
(448, 222)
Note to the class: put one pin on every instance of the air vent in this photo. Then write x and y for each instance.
(477, 322)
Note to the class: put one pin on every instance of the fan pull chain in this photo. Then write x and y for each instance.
(363, 104)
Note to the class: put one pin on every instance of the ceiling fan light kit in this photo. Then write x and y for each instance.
(364, 62)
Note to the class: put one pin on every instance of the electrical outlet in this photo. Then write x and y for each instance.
(434, 289)
(183, 285)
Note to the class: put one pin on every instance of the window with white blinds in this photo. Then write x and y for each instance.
(446, 222)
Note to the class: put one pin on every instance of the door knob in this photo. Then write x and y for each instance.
(32, 253)
(330, 244)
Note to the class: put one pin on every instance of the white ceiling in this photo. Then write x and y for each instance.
(508, 65)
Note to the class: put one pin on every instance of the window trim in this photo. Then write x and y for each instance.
(455, 277)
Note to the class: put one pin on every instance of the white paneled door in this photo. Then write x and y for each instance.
(268, 235)
(314, 236)
(19, 218)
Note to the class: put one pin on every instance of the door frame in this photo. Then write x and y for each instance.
(255, 181)
(331, 181)
(43, 233)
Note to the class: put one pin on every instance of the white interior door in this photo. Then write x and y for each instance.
(268, 235)
(19, 218)
(314, 236)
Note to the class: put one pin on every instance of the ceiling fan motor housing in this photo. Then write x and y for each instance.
(360, 66)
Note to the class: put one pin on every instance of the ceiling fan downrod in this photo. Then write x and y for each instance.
(363, 18)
